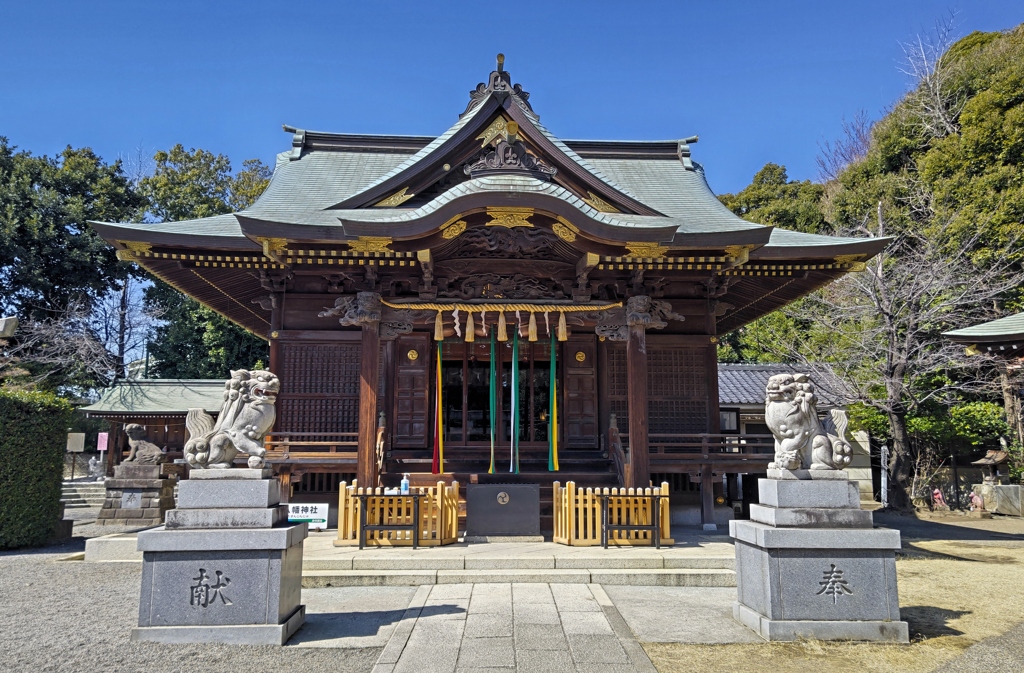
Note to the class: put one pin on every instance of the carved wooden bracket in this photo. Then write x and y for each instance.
(363, 308)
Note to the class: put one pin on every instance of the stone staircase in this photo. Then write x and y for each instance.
(82, 494)
(590, 568)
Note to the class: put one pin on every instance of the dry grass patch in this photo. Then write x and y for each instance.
(952, 594)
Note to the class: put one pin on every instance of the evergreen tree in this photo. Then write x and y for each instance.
(195, 341)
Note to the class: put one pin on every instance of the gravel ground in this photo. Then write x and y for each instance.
(76, 617)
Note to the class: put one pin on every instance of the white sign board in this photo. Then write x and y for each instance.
(76, 442)
(314, 514)
(101, 441)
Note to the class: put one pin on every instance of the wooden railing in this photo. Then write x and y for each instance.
(439, 516)
(700, 445)
(577, 514)
(311, 444)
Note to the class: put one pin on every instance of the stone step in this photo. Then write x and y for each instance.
(679, 577)
(428, 561)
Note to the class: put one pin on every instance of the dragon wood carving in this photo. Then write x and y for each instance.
(640, 311)
(495, 286)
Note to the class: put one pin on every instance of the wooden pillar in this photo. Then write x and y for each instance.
(707, 498)
(285, 476)
(639, 471)
(366, 469)
(707, 484)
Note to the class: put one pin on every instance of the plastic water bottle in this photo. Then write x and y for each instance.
(405, 484)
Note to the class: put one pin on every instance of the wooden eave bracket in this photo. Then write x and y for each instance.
(856, 263)
(738, 255)
(273, 248)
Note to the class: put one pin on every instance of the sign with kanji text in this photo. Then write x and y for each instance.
(101, 441)
(314, 514)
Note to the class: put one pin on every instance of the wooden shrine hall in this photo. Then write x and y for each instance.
(494, 303)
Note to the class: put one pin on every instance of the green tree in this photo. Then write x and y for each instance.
(50, 258)
(772, 198)
(195, 341)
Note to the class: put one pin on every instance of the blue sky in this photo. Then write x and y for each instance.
(758, 81)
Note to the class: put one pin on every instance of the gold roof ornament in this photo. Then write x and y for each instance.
(454, 229)
(273, 248)
(135, 249)
(371, 244)
(644, 250)
(509, 217)
(855, 262)
(599, 204)
(740, 254)
(395, 199)
(493, 132)
(565, 229)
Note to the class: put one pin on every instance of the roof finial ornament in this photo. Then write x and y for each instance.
(500, 84)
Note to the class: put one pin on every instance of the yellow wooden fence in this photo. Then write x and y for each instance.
(577, 514)
(439, 516)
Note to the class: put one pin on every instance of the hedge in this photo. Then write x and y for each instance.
(33, 437)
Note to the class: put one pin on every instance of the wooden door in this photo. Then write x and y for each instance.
(579, 416)
(412, 383)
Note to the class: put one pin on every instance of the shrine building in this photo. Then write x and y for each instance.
(493, 304)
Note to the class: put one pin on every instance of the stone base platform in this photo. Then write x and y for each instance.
(244, 634)
(782, 630)
(136, 496)
(227, 567)
(810, 564)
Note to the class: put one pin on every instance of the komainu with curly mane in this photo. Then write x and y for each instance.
(246, 416)
(791, 413)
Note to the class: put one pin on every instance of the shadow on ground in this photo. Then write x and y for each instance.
(326, 629)
(930, 621)
(953, 528)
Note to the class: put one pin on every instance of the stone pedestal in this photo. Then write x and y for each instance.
(226, 567)
(810, 565)
(136, 496)
(1001, 499)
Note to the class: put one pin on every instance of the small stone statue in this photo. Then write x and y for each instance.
(977, 503)
(142, 452)
(791, 413)
(246, 416)
(938, 501)
(96, 469)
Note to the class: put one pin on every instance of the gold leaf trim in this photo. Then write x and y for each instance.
(642, 249)
(855, 262)
(396, 199)
(454, 229)
(740, 253)
(509, 217)
(563, 232)
(135, 249)
(371, 244)
(273, 248)
(599, 204)
(497, 129)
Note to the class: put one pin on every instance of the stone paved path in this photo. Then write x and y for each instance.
(512, 627)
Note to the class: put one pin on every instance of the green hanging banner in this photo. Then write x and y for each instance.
(494, 397)
(553, 409)
(514, 444)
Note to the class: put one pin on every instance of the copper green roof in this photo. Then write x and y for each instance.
(1010, 328)
(158, 396)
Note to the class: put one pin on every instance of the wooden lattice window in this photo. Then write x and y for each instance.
(319, 387)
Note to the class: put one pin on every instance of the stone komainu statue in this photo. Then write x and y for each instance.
(142, 452)
(801, 442)
(246, 416)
